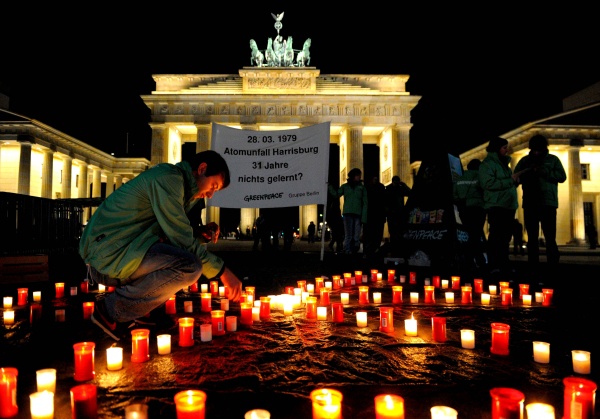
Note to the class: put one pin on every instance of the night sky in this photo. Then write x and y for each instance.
(481, 71)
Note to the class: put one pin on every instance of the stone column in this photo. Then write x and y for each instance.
(24, 187)
(118, 181)
(401, 154)
(82, 186)
(355, 149)
(66, 177)
(110, 183)
(308, 213)
(575, 195)
(47, 168)
(247, 217)
(96, 183)
(159, 145)
(203, 137)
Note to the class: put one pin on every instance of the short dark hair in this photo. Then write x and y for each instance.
(538, 142)
(496, 144)
(354, 172)
(215, 164)
(474, 164)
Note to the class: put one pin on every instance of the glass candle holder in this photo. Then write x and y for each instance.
(363, 294)
(467, 338)
(581, 362)
(579, 398)
(41, 404)
(140, 345)
(500, 339)
(246, 313)
(361, 318)
(455, 282)
(443, 412)
(541, 352)
(429, 294)
(59, 288)
(466, 295)
(507, 403)
(386, 319)
(217, 318)
(311, 307)
(8, 391)
(114, 358)
(84, 402)
(389, 406)
(265, 307)
(396, 294)
(163, 343)
(337, 312)
(205, 302)
(84, 361)
(186, 331)
(539, 411)
(438, 329)
(326, 403)
(190, 404)
(324, 301)
(46, 379)
(478, 285)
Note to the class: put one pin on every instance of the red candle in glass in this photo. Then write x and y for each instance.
(84, 361)
(466, 296)
(358, 277)
(110, 289)
(547, 296)
(507, 403)
(500, 334)
(438, 329)
(140, 344)
(337, 312)
(437, 282)
(337, 282)
(506, 296)
(22, 294)
(190, 404)
(84, 287)
(265, 308)
(290, 290)
(396, 294)
(429, 297)
(363, 294)
(579, 398)
(347, 279)
(217, 318)
(88, 309)
(386, 319)
(374, 273)
(8, 392)
(319, 283)
(60, 289)
(246, 313)
(503, 284)
(478, 285)
(205, 302)
(193, 287)
(324, 297)
(523, 290)
(391, 275)
(84, 402)
(455, 282)
(311, 307)
(170, 307)
(302, 285)
(412, 279)
(35, 313)
(214, 288)
(186, 331)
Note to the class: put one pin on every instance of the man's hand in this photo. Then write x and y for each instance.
(233, 284)
(210, 232)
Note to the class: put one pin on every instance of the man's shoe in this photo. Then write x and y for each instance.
(101, 319)
(156, 318)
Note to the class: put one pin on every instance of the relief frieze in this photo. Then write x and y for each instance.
(278, 83)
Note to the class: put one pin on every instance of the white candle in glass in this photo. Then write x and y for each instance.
(485, 299)
(443, 412)
(188, 306)
(204, 288)
(345, 297)
(304, 295)
(225, 304)
(9, 317)
(101, 288)
(288, 306)
(136, 411)
(328, 285)
(361, 318)
(310, 288)
(114, 358)
(526, 299)
(206, 331)
(414, 297)
(41, 405)
(444, 284)
(410, 327)
(46, 379)
(256, 313)
(539, 297)
(231, 323)
(321, 313)
(539, 411)
(257, 414)
(581, 362)
(377, 298)
(541, 352)
(8, 302)
(493, 289)
(450, 297)
(37, 296)
(221, 291)
(467, 338)
(164, 344)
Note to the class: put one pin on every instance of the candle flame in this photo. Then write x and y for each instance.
(412, 317)
(389, 402)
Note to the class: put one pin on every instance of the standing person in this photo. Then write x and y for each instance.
(354, 209)
(542, 172)
(468, 195)
(373, 229)
(312, 229)
(336, 224)
(518, 244)
(499, 185)
(140, 241)
(396, 217)
(592, 234)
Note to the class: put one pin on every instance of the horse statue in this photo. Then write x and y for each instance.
(270, 57)
(303, 57)
(288, 54)
(256, 58)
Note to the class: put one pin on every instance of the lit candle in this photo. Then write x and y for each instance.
(114, 358)
(246, 313)
(101, 288)
(358, 277)
(410, 326)
(35, 312)
(526, 299)
(449, 297)
(37, 296)
(170, 307)
(288, 307)
(84, 286)
(455, 282)
(396, 294)
(361, 318)
(467, 338)
(386, 319)
(485, 299)
(478, 284)
(140, 345)
(186, 331)
(414, 297)
(374, 275)
(347, 279)
(523, 290)
(437, 281)
(326, 404)
(579, 398)
(466, 295)
(310, 288)
(217, 318)
(389, 406)
(190, 404)
(60, 289)
(88, 309)
(41, 405)
(311, 307)
(265, 308)
(412, 278)
(231, 323)
(376, 298)
(500, 335)
(539, 411)
(507, 403)
(328, 285)
(251, 293)
(363, 294)
(22, 294)
(581, 362)
(214, 288)
(324, 297)
(8, 301)
(345, 297)
(443, 412)
(84, 401)
(305, 294)
(205, 302)
(9, 317)
(547, 296)
(136, 411)
(493, 289)
(203, 288)
(257, 414)
(163, 342)
(221, 291)
(429, 296)
(444, 284)
(255, 314)
(319, 283)
(391, 275)
(46, 379)
(438, 329)
(541, 352)
(506, 296)
(337, 312)
(322, 313)
(8, 392)
(193, 287)
(539, 297)
(379, 276)
(84, 361)
(206, 332)
(503, 284)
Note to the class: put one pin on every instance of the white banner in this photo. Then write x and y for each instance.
(273, 169)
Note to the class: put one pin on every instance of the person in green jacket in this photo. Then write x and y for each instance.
(542, 172)
(141, 241)
(499, 185)
(354, 210)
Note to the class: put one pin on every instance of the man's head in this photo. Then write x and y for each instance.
(538, 143)
(396, 180)
(211, 173)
